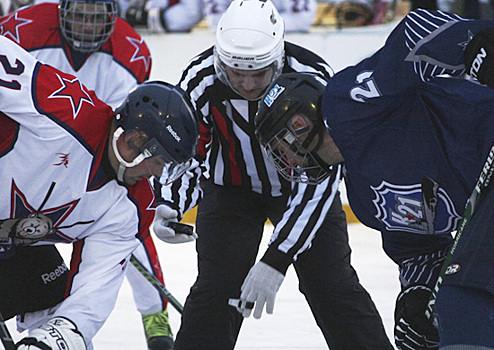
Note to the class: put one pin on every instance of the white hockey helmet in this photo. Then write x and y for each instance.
(249, 36)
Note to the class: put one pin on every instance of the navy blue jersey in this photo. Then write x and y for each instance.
(412, 130)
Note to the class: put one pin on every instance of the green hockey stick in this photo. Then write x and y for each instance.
(165, 293)
(470, 208)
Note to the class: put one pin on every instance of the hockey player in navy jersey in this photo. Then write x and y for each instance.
(88, 40)
(413, 135)
(74, 171)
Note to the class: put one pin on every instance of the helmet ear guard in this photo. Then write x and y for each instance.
(287, 124)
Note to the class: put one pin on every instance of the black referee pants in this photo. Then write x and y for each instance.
(230, 223)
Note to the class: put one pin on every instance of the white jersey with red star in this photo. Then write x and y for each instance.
(123, 61)
(53, 134)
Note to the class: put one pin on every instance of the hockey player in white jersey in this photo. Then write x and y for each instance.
(74, 171)
(111, 58)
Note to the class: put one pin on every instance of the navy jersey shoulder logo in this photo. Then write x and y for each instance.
(401, 208)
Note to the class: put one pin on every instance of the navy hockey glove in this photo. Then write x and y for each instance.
(479, 57)
(412, 328)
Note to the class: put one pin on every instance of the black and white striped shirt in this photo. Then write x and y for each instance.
(232, 156)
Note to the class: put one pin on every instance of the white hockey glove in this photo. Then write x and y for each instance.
(162, 218)
(260, 287)
(58, 333)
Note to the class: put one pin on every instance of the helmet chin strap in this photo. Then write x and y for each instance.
(123, 165)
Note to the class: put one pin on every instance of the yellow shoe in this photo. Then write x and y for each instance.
(159, 334)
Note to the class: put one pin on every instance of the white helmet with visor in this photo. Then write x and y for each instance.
(249, 37)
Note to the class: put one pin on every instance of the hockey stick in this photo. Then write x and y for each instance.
(165, 293)
(470, 208)
(7, 341)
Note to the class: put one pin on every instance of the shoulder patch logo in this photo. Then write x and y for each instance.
(138, 53)
(10, 27)
(401, 208)
(74, 92)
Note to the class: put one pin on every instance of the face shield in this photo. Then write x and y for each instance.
(293, 151)
(247, 79)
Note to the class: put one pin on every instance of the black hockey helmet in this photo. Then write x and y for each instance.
(289, 95)
(87, 24)
(165, 115)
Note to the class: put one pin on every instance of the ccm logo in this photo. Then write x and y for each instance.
(451, 269)
(477, 62)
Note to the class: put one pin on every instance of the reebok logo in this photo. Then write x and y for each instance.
(477, 62)
(173, 133)
(53, 275)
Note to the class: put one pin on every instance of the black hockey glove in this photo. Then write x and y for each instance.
(479, 57)
(412, 328)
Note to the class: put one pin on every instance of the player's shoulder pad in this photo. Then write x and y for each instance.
(130, 50)
(23, 26)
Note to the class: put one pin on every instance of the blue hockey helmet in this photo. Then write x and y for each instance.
(87, 24)
(167, 121)
(289, 126)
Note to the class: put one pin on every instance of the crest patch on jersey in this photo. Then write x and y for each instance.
(401, 208)
(20, 207)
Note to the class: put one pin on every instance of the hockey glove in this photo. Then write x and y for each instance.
(260, 287)
(58, 333)
(479, 60)
(412, 328)
(163, 217)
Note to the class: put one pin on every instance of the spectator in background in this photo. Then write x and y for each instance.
(358, 12)
(161, 16)
(182, 15)
(297, 14)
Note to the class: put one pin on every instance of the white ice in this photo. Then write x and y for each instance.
(291, 326)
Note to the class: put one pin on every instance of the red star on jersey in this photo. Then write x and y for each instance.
(74, 92)
(139, 45)
(10, 27)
